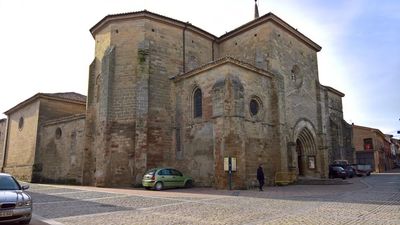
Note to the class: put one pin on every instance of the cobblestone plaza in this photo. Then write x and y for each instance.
(366, 200)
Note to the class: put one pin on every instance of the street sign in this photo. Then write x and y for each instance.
(229, 166)
(231, 163)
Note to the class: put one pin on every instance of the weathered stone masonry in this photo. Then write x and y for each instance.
(140, 111)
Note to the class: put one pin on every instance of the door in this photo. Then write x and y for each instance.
(178, 179)
(166, 177)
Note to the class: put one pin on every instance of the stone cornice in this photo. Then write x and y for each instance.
(220, 62)
(43, 96)
(65, 119)
(270, 17)
(333, 90)
(152, 16)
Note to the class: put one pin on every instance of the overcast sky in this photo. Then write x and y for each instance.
(46, 45)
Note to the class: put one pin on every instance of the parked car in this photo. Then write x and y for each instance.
(15, 203)
(351, 172)
(160, 178)
(337, 172)
(363, 169)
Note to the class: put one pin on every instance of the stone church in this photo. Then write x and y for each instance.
(163, 92)
(167, 93)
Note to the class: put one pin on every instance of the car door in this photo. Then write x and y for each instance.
(166, 177)
(178, 178)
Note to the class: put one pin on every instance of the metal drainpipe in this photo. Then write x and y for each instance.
(184, 49)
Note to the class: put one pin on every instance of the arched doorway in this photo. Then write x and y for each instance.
(299, 151)
(306, 153)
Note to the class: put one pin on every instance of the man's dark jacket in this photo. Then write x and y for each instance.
(260, 173)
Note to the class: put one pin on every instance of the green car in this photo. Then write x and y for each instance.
(160, 178)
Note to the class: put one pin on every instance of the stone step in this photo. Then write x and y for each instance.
(313, 181)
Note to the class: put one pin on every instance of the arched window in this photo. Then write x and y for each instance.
(255, 106)
(197, 103)
(58, 133)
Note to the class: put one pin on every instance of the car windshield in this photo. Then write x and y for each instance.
(337, 168)
(8, 183)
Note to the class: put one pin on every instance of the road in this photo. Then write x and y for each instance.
(367, 200)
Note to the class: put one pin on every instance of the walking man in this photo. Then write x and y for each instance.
(260, 176)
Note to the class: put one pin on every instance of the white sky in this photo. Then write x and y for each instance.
(47, 46)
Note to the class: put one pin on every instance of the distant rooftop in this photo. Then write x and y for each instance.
(68, 95)
(61, 96)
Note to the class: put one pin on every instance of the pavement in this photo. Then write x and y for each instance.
(364, 200)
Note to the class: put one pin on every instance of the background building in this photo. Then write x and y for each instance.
(372, 147)
(28, 153)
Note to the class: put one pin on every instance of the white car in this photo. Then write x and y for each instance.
(15, 204)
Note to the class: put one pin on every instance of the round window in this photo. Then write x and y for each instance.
(254, 107)
(21, 123)
(58, 132)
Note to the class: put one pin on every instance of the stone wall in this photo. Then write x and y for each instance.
(227, 127)
(270, 47)
(60, 153)
(22, 141)
(129, 126)
(339, 133)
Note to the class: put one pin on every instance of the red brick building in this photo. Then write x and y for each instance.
(372, 147)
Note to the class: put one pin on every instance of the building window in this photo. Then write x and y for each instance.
(197, 103)
(58, 133)
(254, 107)
(368, 144)
(21, 123)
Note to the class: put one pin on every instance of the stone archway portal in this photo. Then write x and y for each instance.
(306, 152)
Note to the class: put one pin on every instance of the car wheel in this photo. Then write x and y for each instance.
(147, 188)
(368, 174)
(189, 184)
(159, 186)
(26, 221)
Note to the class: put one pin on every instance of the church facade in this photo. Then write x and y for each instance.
(167, 93)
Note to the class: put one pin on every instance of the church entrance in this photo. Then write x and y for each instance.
(306, 153)
(299, 151)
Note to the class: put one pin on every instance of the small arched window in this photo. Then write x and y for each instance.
(254, 107)
(58, 133)
(197, 103)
